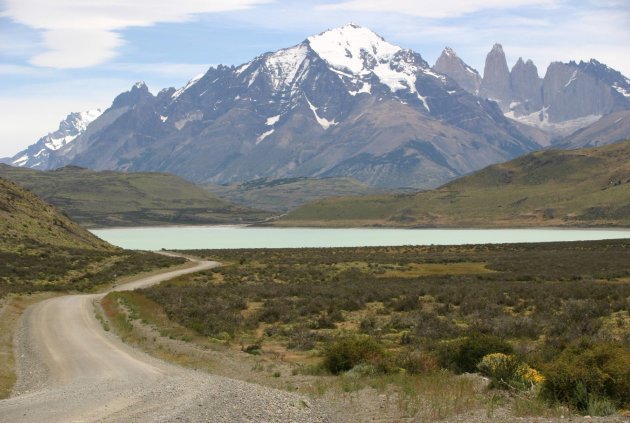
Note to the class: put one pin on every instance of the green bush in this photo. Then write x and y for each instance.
(585, 376)
(463, 355)
(346, 352)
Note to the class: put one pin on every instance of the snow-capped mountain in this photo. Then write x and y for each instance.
(341, 103)
(37, 156)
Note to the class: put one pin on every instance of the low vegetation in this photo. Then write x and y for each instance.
(525, 315)
(40, 267)
(101, 199)
(585, 187)
(282, 195)
(43, 250)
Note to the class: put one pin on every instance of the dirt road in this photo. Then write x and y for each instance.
(71, 370)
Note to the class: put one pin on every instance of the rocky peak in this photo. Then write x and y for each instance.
(495, 84)
(139, 92)
(451, 65)
(526, 87)
(570, 93)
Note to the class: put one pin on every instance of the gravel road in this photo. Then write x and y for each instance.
(71, 370)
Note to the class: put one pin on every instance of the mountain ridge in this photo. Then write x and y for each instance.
(346, 103)
(305, 111)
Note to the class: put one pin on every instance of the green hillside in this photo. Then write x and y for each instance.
(100, 199)
(585, 187)
(43, 250)
(282, 195)
(25, 219)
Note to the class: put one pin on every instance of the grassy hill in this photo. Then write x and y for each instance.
(43, 250)
(282, 195)
(586, 187)
(25, 219)
(98, 199)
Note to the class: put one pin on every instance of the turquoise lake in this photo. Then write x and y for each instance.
(194, 237)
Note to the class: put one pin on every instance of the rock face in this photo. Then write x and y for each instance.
(496, 84)
(570, 97)
(573, 90)
(341, 103)
(526, 88)
(451, 65)
(576, 95)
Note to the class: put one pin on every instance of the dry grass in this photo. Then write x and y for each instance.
(396, 397)
(415, 270)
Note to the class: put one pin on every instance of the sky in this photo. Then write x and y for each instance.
(62, 56)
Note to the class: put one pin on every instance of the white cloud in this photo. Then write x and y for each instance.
(83, 33)
(433, 9)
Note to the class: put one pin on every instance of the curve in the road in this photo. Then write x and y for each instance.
(71, 370)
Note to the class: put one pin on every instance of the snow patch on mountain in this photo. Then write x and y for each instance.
(21, 161)
(365, 88)
(622, 90)
(190, 83)
(264, 135)
(540, 119)
(285, 66)
(272, 120)
(323, 122)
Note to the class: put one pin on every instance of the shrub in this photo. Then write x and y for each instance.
(254, 349)
(463, 355)
(589, 377)
(416, 362)
(346, 352)
(507, 371)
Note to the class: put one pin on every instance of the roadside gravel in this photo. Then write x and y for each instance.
(71, 370)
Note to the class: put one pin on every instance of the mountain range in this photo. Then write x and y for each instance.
(343, 103)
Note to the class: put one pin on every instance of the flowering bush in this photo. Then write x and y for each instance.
(507, 371)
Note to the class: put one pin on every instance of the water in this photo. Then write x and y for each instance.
(200, 237)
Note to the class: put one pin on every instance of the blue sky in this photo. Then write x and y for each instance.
(60, 56)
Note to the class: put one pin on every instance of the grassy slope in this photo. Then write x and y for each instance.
(282, 195)
(25, 218)
(123, 199)
(549, 188)
(42, 250)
